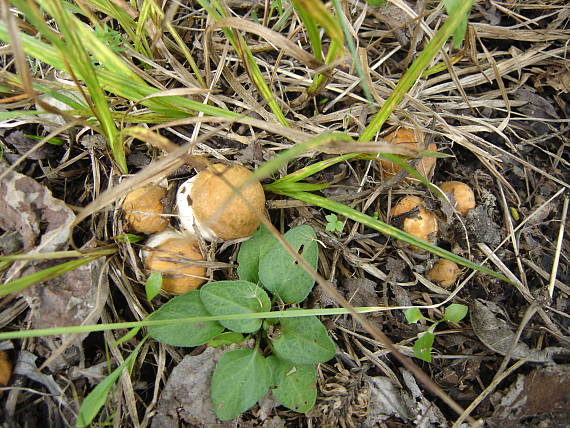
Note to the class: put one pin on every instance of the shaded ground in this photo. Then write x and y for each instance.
(506, 133)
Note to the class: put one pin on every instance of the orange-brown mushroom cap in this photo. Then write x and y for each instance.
(143, 209)
(5, 368)
(444, 272)
(215, 205)
(172, 258)
(417, 221)
(413, 138)
(460, 195)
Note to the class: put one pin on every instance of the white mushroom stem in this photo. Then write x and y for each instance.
(186, 214)
(158, 239)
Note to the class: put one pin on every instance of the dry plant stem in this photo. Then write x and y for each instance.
(556, 261)
(486, 392)
(530, 311)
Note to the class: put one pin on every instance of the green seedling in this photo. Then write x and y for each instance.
(423, 344)
(334, 224)
(286, 351)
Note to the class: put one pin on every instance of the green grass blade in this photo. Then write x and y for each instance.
(416, 69)
(389, 230)
(96, 399)
(43, 275)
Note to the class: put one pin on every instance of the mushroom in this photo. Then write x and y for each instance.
(417, 221)
(444, 272)
(460, 195)
(143, 209)
(5, 368)
(413, 138)
(209, 203)
(171, 254)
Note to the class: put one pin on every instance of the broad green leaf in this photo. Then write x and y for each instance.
(153, 285)
(226, 338)
(303, 341)
(190, 334)
(97, 398)
(455, 312)
(413, 315)
(281, 274)
(241, 378)
(251, 252)
(236, 297)
(422, 347)
(295, 385)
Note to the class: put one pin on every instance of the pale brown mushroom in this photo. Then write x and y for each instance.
(416, 220)
(412, 138)
(172, 255)
(5, 368)
(460, 195)
(444, 272)
(144, 208)
(208, 203)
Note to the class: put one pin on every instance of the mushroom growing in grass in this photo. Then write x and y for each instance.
(460, 195)
(444, 272)
(209, 203)
(413, 138)
(172, 254)
(143, 209)
(416, 220)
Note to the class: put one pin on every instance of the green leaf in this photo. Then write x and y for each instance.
(241, 378)
(281, 274)
(227, 338)
(451, 6)
(376, 3)
(191, 334)
(295, 385)
(153, 285)
(97, 398)
(236, 297)
(303, 341)
(251, 252)
(455, 312)
(422, 347)
(413, 315)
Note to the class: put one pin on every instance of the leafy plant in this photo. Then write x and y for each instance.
(423, 344)
(334, 224)
(286, 351)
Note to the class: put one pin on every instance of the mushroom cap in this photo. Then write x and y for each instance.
(414, 139)
(444, 272)
(5, 368)
(460, 195)
(215, 205)
(146, 199)
(172, 259)
(417, 221)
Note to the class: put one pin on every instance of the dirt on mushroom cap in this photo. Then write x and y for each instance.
(215, 205)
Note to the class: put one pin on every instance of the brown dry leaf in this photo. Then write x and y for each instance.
(186, 396)
(526, 399)
(560, 81)
(496, 335)
(29, 208)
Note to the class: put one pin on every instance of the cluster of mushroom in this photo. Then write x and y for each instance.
(411, 213)
(220, 202)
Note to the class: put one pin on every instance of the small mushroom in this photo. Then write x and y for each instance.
(143, 209)
(444, 272)
(172, 254)
(5, 369)
(413, 138)
(460, 195)
(417, 221)
(208, 202)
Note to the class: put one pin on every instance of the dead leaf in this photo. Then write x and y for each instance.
(22, 144)
(525, 398)
(496, 335)
(186, 397)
